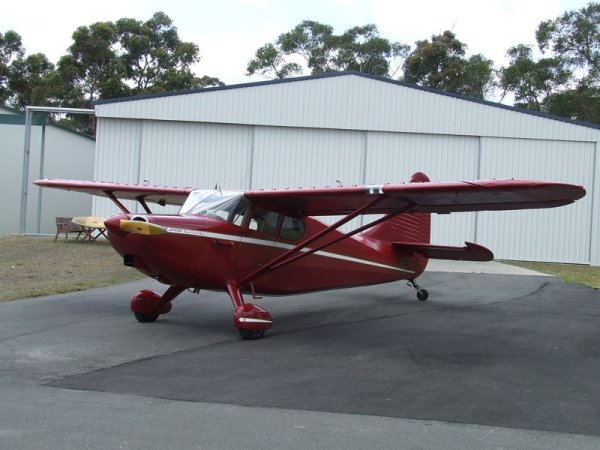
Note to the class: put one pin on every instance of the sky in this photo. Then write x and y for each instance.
(228, 32)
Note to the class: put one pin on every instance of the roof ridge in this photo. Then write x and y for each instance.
(350, 73)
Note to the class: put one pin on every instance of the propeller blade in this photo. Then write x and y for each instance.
(138, 227)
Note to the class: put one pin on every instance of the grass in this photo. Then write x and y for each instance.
(568, 273)
(37, 266)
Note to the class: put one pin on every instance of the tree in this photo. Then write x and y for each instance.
(574, 37)
(532, 82)
(574, 40)
(581, 103)
(441, 64)
(26, 80)
(11, 49)
(316, 46)
(129, 57)
(154, 57)
(91, 69)
(312, 41)
(270, 63)
(362, 50)
(206, 81)
(478, 76)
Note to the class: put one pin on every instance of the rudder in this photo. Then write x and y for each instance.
(406, 227)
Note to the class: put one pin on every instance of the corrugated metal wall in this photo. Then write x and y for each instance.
(356, 130)
(294, 157)
(561, 234)
(66, 155)
(393, 157)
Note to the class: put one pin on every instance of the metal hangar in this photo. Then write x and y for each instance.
(353, 128)
(56, 152)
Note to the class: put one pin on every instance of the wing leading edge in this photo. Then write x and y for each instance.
(420, 197)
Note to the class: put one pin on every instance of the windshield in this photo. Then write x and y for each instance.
(225, 205)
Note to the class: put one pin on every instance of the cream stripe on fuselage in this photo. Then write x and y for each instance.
(281, 245)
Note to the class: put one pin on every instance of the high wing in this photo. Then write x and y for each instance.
(374, 199)
(161, 195)
(419, 197)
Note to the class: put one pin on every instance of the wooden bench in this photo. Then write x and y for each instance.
(64, 225)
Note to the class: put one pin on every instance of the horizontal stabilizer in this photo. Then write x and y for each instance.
(470, 252)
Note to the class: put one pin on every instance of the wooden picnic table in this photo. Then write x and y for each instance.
(93, 227)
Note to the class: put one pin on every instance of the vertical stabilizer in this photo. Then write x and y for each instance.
(408, 227)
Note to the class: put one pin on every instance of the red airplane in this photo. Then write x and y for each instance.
(268, 242)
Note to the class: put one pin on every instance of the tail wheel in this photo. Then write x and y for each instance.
(422, 294)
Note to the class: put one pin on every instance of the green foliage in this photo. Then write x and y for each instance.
(133, 57)
(359, 48)
(129, 57)
(532, 82)
(568, 82)
(206, 81)
(154, 58)
(91, 66)
(11, 49)
(441, 64)
(362, 50)
(575, 38)
(25, 80)
(581, 103)
(270, 63)
(105, 60)
(311, 40)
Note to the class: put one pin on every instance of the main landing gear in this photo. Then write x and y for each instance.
(250, 320)
(422, 294)
(148, 305)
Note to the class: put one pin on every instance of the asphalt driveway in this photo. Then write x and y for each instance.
(490, 360)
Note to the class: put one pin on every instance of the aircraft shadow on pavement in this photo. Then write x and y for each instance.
(497, 350)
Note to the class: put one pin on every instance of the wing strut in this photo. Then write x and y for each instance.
(140, 198)
(116, 201)
(296, 253)
(268, 267)
(142, 201)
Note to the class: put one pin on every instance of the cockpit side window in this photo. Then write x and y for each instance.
(291, 228)
(264, 220)
(236, 216)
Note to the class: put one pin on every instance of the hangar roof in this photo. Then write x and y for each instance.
(10, 116)
(344, 100)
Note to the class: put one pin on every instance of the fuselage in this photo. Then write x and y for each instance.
(207, 248)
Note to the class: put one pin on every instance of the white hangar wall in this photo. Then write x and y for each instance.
(66, 155)
(358, 129)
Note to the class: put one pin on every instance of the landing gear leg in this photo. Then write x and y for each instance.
(148, 305)
(250, 320)
(422, 294)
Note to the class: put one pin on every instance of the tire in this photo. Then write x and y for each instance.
(422, 295)
(145, 318)
(251, 335)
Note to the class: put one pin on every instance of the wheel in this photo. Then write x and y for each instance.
(422, 294)
(145, 318)
(251, 335)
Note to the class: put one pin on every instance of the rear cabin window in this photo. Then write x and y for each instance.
(291, 228)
